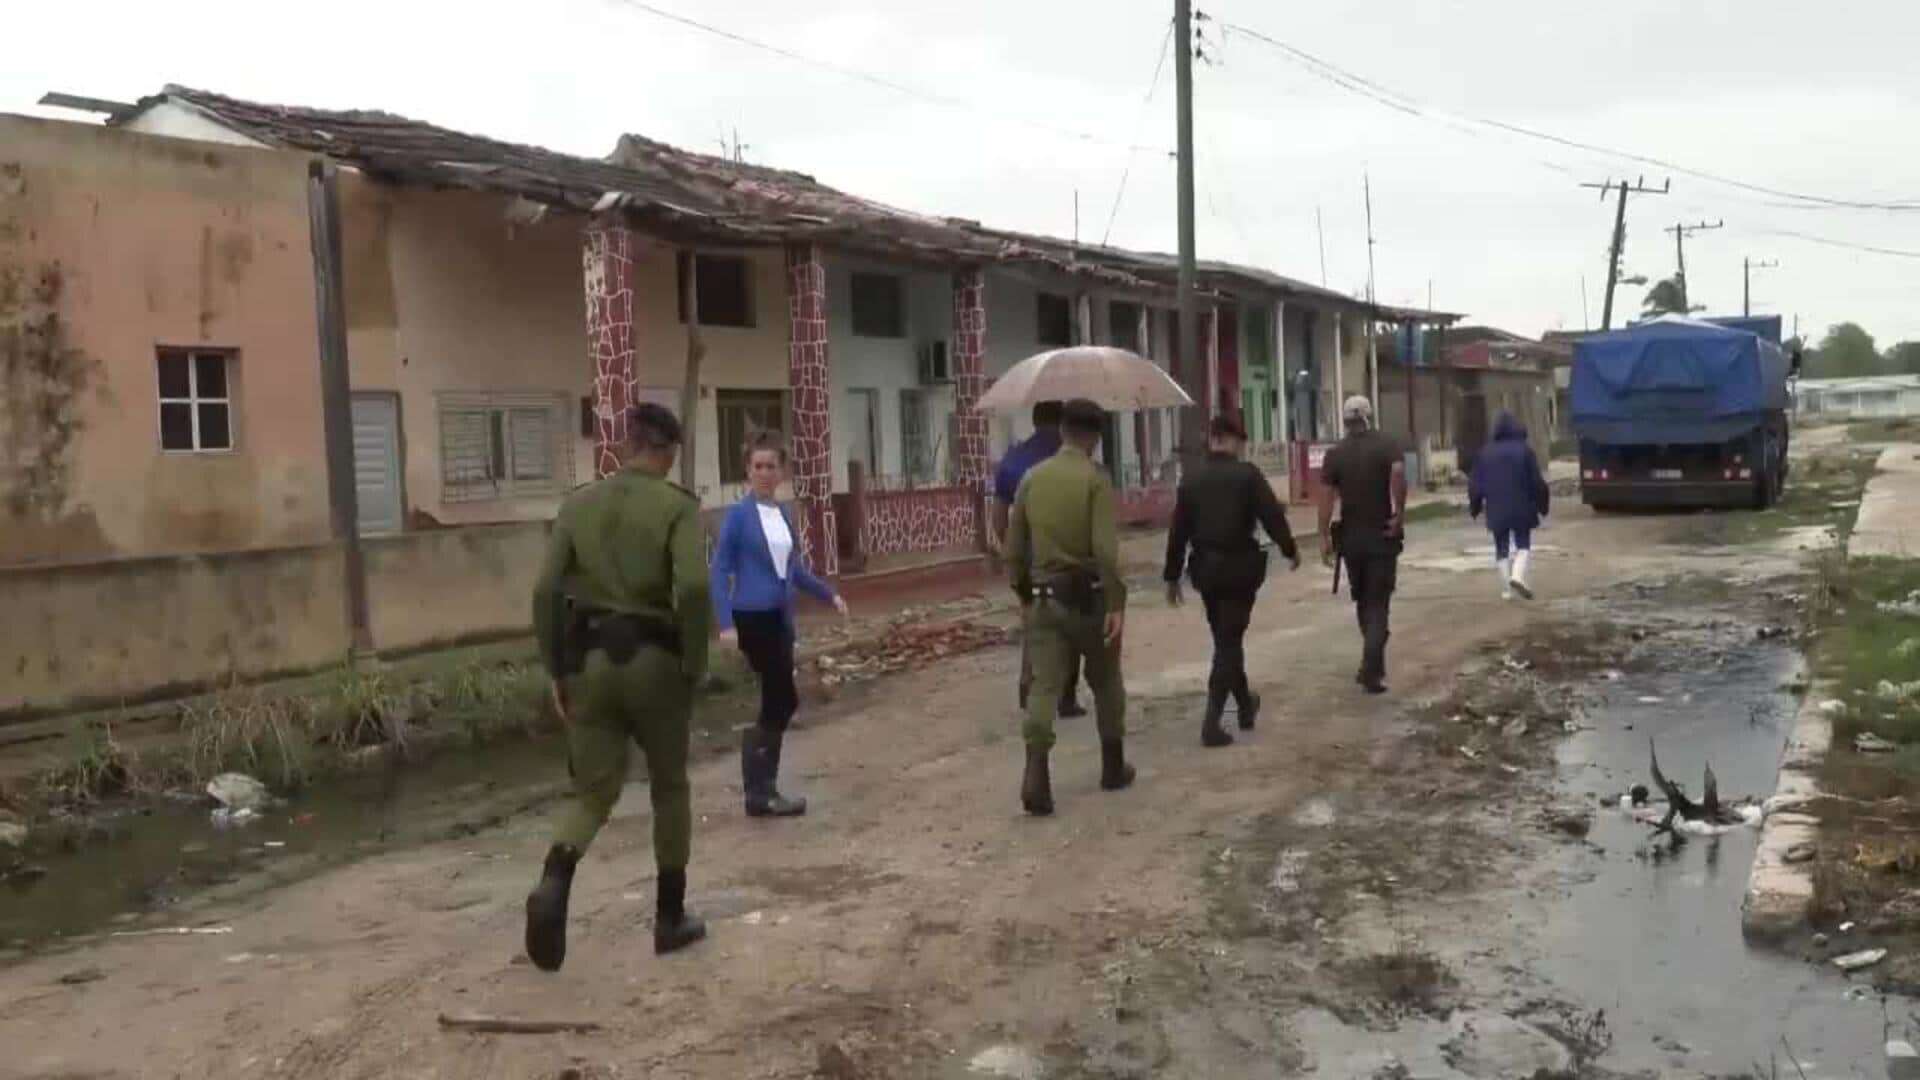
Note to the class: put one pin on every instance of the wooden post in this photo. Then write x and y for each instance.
(690, 390)
(855, 526)
(336, 395)
(1283, 395)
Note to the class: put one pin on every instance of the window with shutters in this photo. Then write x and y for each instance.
(724, 284)
(196, 400)
(503, 446)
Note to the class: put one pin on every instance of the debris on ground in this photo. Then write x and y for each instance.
(906, 646)
(225, 818)
(1888, 690)
(1832, 707)
(1868, 743)
(174, 931)
(12, 836)
(1907, 649)
(1854, 961)
(1909, 606)
(81, 977)
(238, 791)
(1800, 853)
(1769, 633)
(508, 1025)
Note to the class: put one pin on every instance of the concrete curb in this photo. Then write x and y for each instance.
(1778, 892)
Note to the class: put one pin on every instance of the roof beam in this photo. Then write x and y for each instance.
(81, 103)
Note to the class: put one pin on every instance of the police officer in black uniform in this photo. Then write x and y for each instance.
(1365, 478)
(1217, 509)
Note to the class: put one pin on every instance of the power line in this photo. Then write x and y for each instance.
(875, 80)
(1897, 252)
(1392, 99)
(1153, 87)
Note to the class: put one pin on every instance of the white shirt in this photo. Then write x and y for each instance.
(779, 537)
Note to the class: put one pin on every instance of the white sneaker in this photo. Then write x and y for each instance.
(1521, 560)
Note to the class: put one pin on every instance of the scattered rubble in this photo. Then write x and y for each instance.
(12, 835)
(1868, 743)
(1888, 690)
(1909, 606)
(238, 791)
(1855, 961)
(906, 646)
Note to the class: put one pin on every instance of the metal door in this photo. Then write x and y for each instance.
(376, 462)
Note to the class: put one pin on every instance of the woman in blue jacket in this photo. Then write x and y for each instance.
(1508, 484)
(757, 566)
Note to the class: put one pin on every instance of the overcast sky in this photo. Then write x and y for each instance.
(1821, 99)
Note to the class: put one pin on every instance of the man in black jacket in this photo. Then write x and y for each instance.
(1218, 507)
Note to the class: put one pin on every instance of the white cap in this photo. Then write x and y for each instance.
(1358, 408)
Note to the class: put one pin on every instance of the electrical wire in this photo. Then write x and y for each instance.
(1869, 248)
(1400, 102)
(1153, 87)
(874, 80)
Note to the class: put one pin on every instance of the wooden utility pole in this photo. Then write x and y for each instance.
(1680, 233)
(1619, 242)
(1193, 363)
(1747, 267)
(336, 392)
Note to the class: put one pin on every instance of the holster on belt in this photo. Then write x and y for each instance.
(621, 636)
(1076, 591)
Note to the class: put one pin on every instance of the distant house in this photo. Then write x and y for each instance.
(1863, 397)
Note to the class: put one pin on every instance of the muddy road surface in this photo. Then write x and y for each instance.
(1420, 885)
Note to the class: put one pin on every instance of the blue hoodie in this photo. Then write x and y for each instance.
(1507, 482)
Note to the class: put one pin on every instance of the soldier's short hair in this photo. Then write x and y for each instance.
(1046, 414)
(1083, 417)
(1227, 426)
(652, 427)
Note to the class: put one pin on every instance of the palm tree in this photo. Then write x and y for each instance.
(1667, 297)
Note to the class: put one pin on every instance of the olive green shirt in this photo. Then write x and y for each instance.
(1063, 520)
(631, 543)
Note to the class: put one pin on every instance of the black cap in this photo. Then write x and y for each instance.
(1083, 416)
(1228, 426)
(650, 425)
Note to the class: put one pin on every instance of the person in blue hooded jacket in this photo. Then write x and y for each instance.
(1507, 483)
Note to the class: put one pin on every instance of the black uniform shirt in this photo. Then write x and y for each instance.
(1360, 468)
(1217, 509)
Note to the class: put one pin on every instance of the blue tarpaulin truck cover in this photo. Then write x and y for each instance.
(1673, 381)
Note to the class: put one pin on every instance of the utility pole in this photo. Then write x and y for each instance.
(1620, 234)
(1192, 364)
(1747, 267)
(1373, 342)
(1680, 233)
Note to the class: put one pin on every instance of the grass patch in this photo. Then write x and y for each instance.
(1435, 511)
(289, 740)
(1889, 429)
(1869, 645)
(1822, 489)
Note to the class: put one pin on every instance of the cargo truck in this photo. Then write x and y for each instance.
(1683, 412)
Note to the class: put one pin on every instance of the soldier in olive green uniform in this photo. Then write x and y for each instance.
(1065, 559)
(621, 610)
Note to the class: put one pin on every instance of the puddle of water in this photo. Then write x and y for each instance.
(1656, 940)
(1466, 1046)
(138, 864)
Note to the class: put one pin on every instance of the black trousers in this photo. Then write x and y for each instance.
(1372, 575)
(1228, 613)
(767, 639)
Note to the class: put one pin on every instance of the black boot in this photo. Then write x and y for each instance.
(547, 909)
(1211, 733)
(1070, 707)
(1036, 787)
(1249, 709)
(759, 763)
(779, 805)
(1115, 773)
(673, 928)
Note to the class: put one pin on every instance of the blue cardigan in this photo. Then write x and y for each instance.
(743, 574)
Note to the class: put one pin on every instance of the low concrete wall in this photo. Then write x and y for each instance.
(446, 585)
(98, 633)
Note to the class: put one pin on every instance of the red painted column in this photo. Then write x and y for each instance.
(607, 261)
(969, 355)
(807, 368)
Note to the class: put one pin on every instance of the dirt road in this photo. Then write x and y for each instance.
(917, 924)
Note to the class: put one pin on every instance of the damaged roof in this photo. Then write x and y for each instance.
(689, 197)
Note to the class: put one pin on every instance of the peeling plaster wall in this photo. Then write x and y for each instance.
(111, 245)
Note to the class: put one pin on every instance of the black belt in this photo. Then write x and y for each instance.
(1075, 592)
(621, 636)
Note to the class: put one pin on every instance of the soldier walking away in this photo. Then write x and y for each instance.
(1064, 555)
(1507, 483)
(1041, 445)
(1366, 478)
(1215, 515)
(757, 567)
(622, 615)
